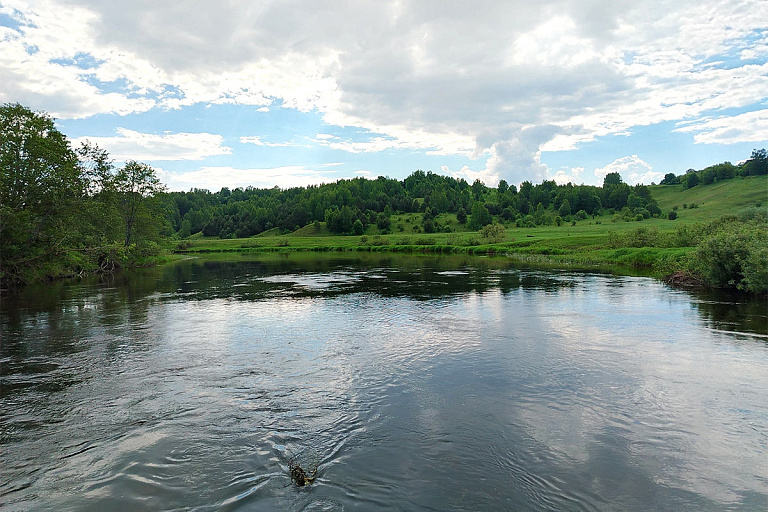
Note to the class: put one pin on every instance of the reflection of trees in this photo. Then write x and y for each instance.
(63, 309)
(730, 311)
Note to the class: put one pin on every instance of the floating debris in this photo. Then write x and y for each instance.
(301, 476)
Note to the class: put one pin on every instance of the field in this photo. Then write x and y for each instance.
(604, 242)
(713, 201)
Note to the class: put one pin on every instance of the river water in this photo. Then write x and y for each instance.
(411, 383)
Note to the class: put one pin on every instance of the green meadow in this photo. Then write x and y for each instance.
(658, 246)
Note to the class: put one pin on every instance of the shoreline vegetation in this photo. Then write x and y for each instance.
(67, 212)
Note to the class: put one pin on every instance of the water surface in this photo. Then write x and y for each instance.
(448, 383)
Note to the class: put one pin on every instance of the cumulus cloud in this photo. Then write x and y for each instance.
(498, 81)
(564, 176)
(132, 145)
(470, 176)
(633, 170)
(212, 178)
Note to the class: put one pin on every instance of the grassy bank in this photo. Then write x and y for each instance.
(589, 244)
(719, 238)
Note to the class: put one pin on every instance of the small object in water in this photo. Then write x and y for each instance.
(300, 476)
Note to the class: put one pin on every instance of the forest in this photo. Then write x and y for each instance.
(350, 206)
(69, 210)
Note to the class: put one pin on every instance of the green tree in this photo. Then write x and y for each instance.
(186, 229)
(136, 185)
(757, 165)
(670, 179)
(357, 227)
(480, 216)
(565, 209)
(383, 222)
(461, 216)
(41, 185)
(691, 180)
(612, 178)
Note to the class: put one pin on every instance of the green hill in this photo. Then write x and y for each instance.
(713, 201)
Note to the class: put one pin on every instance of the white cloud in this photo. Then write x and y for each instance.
(468, 175)
(501, 81)
(255, 139)
(633, 170)
(564, 176)
(213, 178)
(132, 145)
(747, 127)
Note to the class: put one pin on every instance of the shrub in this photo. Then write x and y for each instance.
(357, 227)
(734, 255)
(672, 215)
(494, 233)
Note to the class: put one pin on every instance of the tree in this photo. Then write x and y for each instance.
(478, 189)
(634, 201)
(383, 222)
(480, 216)
(670, 179)
(136, 185)
(357, 227)
(691, 180)
(461, 216)
(565, 209)
(612, 178)
(757, 165)
(186, 229)
(41, 183)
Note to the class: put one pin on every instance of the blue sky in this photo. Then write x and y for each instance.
(297, 93)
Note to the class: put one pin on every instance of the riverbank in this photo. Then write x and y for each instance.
(730, 252)
(583, 246)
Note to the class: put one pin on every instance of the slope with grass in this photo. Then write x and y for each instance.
(711, 202)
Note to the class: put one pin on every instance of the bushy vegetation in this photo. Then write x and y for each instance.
(756, 165)
(734, 253)
(64, 211)
(347, 205)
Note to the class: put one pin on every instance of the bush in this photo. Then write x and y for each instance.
(734, 255)
(494, 233)
(672, 215)
(357, 227)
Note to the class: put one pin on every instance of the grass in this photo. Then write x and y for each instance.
(585, 245)
(601, 243)
(713, 201)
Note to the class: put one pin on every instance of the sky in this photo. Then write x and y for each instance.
(293, 93)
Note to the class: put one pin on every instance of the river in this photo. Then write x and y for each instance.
(409, 383)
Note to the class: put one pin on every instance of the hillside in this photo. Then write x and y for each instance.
(713, 201)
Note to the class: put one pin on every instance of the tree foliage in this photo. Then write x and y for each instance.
(756, 165)
(59, 205)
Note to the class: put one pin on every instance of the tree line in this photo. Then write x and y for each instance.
(65, 209)
(361, 202)
(756, 165)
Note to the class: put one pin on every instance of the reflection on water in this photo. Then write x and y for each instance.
(448, 383)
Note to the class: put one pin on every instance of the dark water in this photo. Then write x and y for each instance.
(413, 384)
